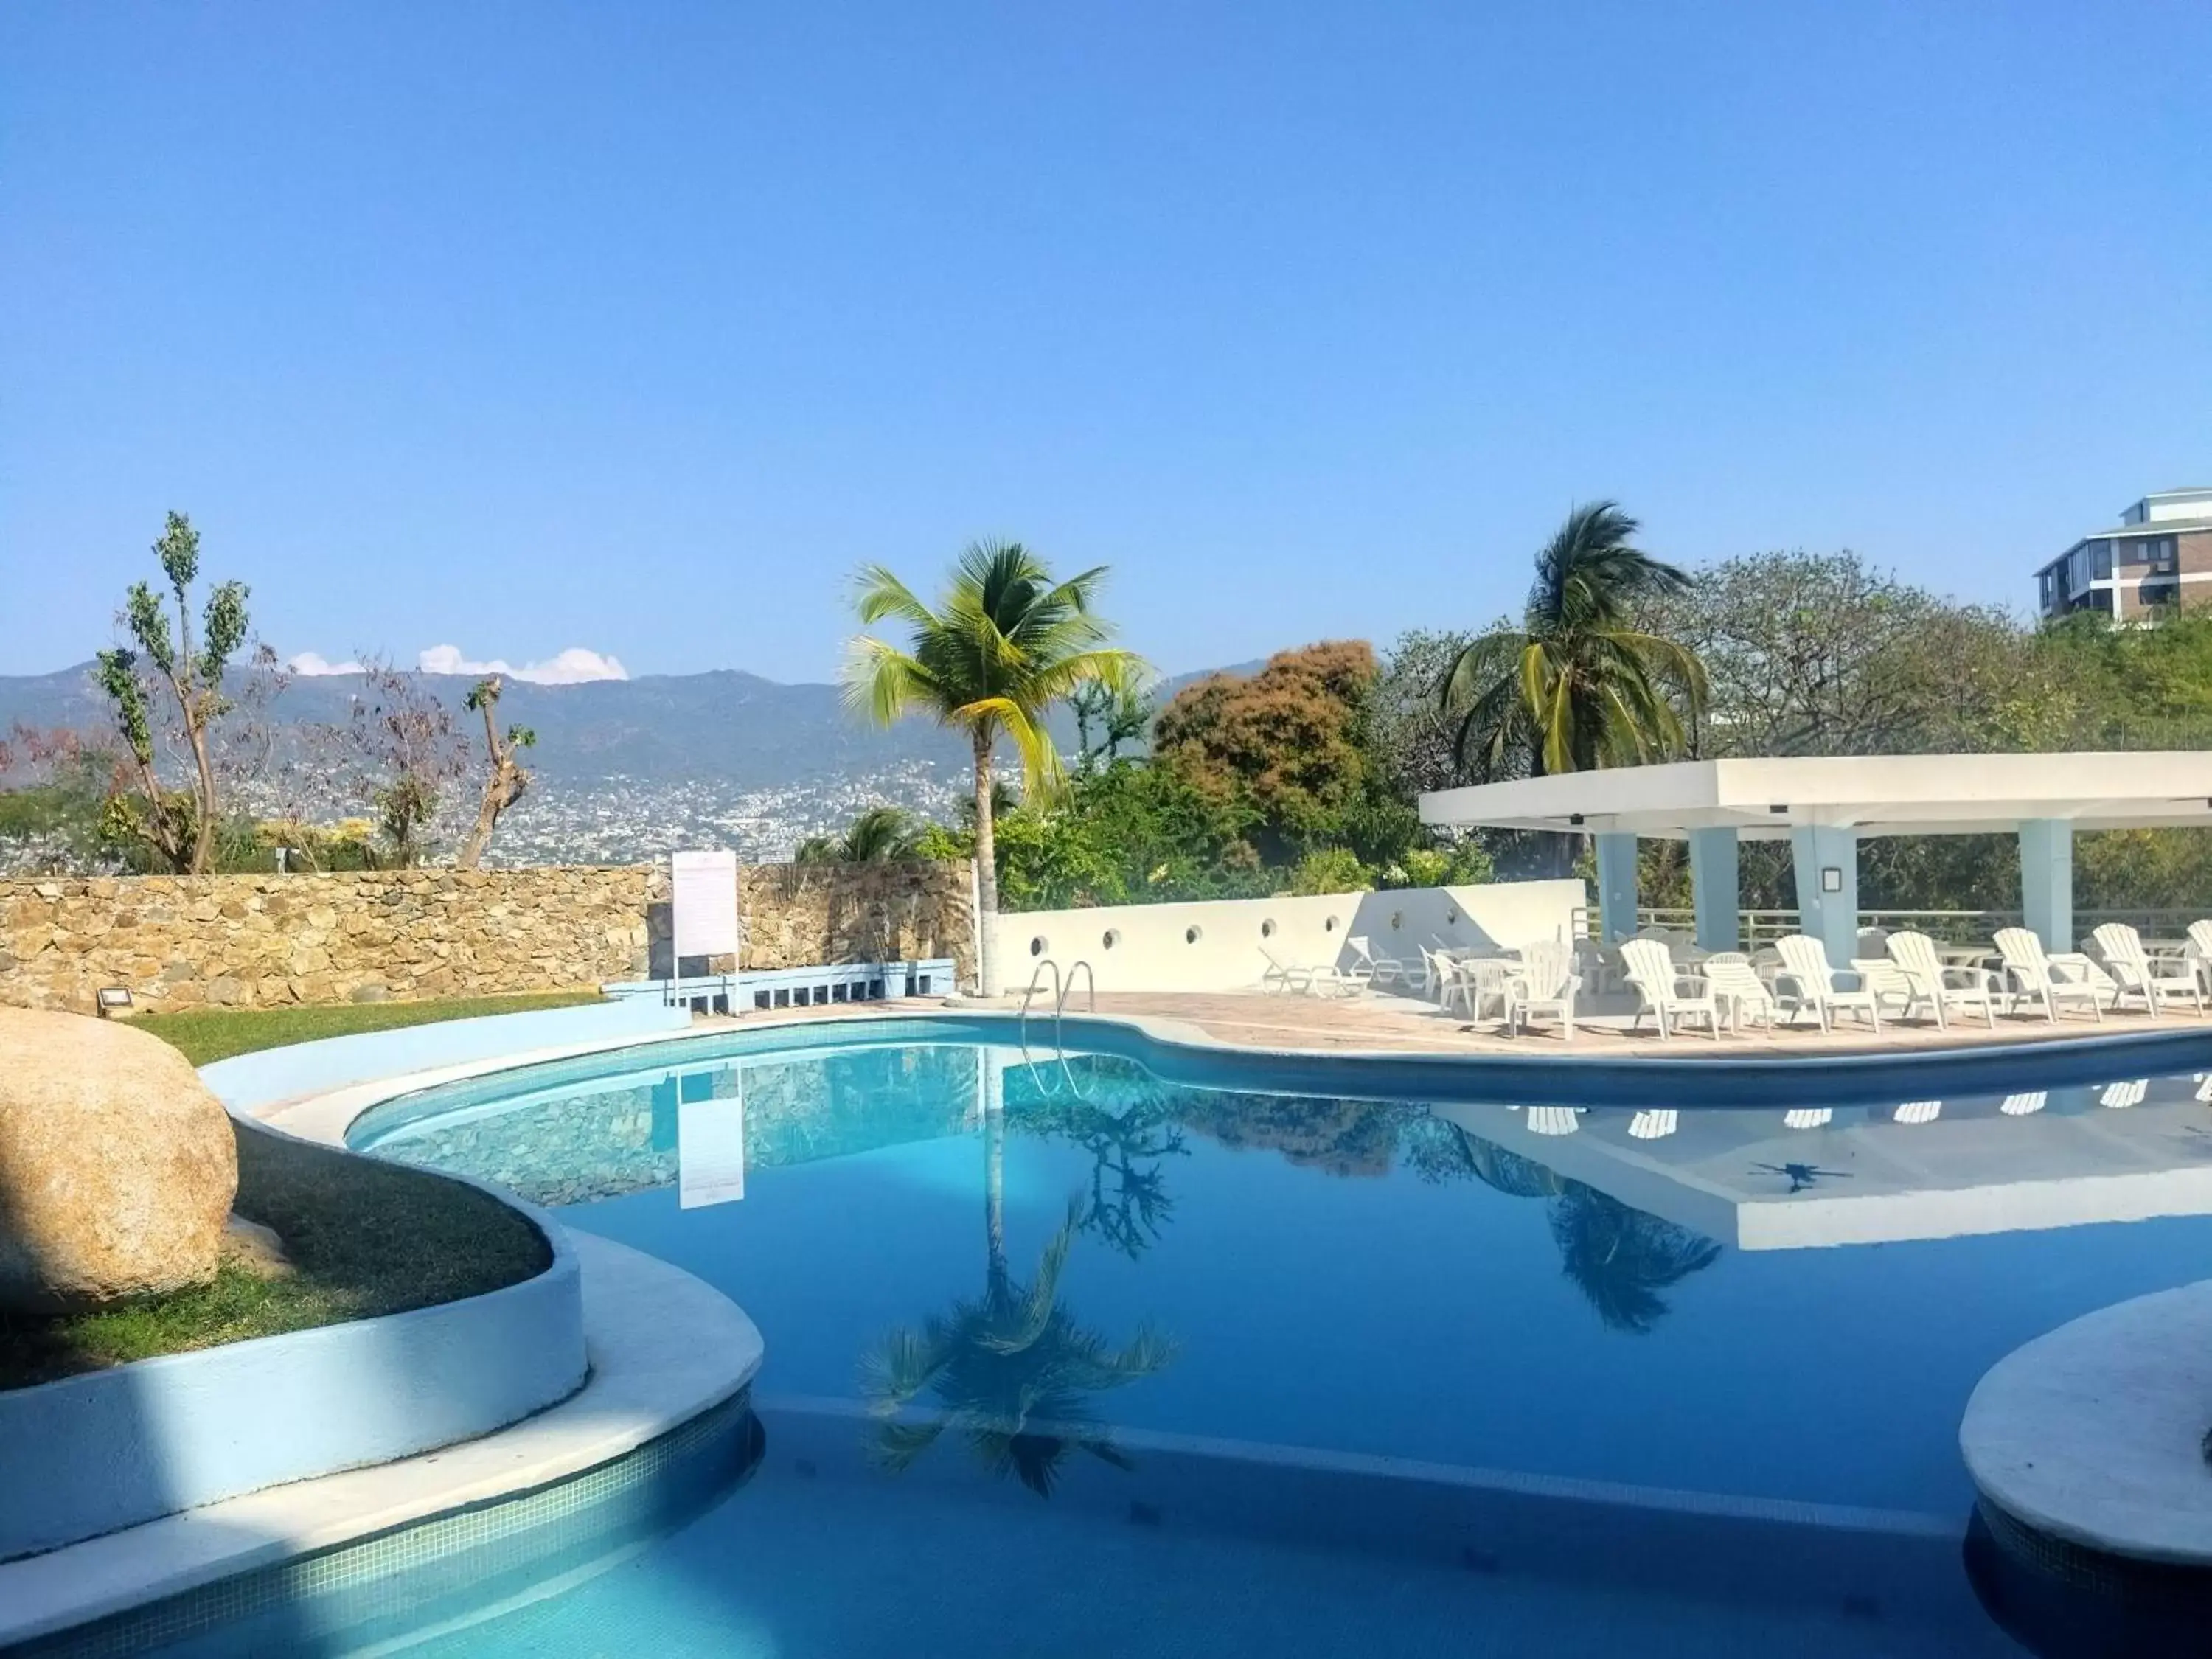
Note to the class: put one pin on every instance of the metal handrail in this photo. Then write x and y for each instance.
(1090, 982)
(1021, 1026)
(1063, 986)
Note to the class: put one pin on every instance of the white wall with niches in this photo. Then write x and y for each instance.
(1215, 945)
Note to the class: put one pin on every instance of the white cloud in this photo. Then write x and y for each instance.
(311, 663)
(571, 667)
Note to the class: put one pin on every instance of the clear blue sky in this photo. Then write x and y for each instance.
(634, 327)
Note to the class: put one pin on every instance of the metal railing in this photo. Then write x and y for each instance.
(1062, 987)
(1948, 926)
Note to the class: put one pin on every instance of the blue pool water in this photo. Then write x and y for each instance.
(1688, 1380)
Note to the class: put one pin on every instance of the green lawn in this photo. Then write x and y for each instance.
(209, 1034)
(364, 1237)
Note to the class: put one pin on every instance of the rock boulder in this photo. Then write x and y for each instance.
(117, 1166)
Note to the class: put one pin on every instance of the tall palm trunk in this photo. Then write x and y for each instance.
(987, 873)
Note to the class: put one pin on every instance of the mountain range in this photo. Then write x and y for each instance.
(726, 727)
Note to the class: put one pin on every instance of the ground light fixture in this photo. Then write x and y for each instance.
(110, 998)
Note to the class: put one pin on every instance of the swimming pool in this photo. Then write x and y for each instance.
(1066, 1357)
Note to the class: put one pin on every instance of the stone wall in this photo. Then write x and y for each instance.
(191, 941)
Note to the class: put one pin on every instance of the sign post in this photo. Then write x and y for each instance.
(702, 890)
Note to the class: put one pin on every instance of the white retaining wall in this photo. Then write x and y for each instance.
(1215, 945)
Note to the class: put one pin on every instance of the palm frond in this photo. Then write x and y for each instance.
(879, 682)
(895, 1445)
(879, 594)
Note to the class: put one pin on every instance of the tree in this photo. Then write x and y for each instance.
(1005, 643)
(1414, 742)
(1288, 741)
(178, 824)
(53, 787)
(1822, 654)
(1129, 833)
(1121, 714)
(406, 754)
(504, 778)
(882, 835)
(1578, 685)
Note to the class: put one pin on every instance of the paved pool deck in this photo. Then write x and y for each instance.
(1385, 1022)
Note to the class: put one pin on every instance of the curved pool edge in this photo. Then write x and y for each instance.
(1182, 1052)
(665, 1349)
(2090, 1439)
(125, 1445)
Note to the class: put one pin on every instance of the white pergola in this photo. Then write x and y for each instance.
(1824, 805)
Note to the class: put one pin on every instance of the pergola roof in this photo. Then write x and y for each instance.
(1877, 795)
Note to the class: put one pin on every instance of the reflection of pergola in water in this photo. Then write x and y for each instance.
(1824, 806)
(1796, 1177)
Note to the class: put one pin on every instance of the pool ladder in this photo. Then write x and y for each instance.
(1063, 986)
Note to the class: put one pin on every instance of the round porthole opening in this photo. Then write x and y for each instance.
(1111, 937)
(1267, 928)
(1397, 919)
(1329, 927)
(1451, 918)
(1038, 946)
(1192, 935)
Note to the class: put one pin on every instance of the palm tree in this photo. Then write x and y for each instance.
(1576, 685)
(1005, 643)
(882, 835)
(1009, 1369)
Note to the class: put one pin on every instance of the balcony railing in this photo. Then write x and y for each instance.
(1948, 926)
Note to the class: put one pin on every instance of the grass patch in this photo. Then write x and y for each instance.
(365, 1238)
(212, 1034)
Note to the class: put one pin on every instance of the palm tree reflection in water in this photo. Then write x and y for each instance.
(1619, 1258)
(1010, 1370)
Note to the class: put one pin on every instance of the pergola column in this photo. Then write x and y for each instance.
(1616, 885)
(2046, 880)
(1714, 888)
(1827, 860)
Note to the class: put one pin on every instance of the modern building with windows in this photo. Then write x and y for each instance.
(2159, 554)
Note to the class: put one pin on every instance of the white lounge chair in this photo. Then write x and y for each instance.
(1544, 984)
(1436, 973)
(1650, 970)
(2198, 954)
(1290, 977)
(2137, 974)
(1917, 1111)
(1381, 970)
(1942, 988)
(1734, 984)
(1599, 966)
(1889, 985)
(2036, 977)
(2118, 1096)
(1808, 980)
(1654, 1123)
(1807, 1117)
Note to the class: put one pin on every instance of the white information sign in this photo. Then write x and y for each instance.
(703, 906)
(710, 1150)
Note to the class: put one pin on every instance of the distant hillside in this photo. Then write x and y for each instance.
(726, 727)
